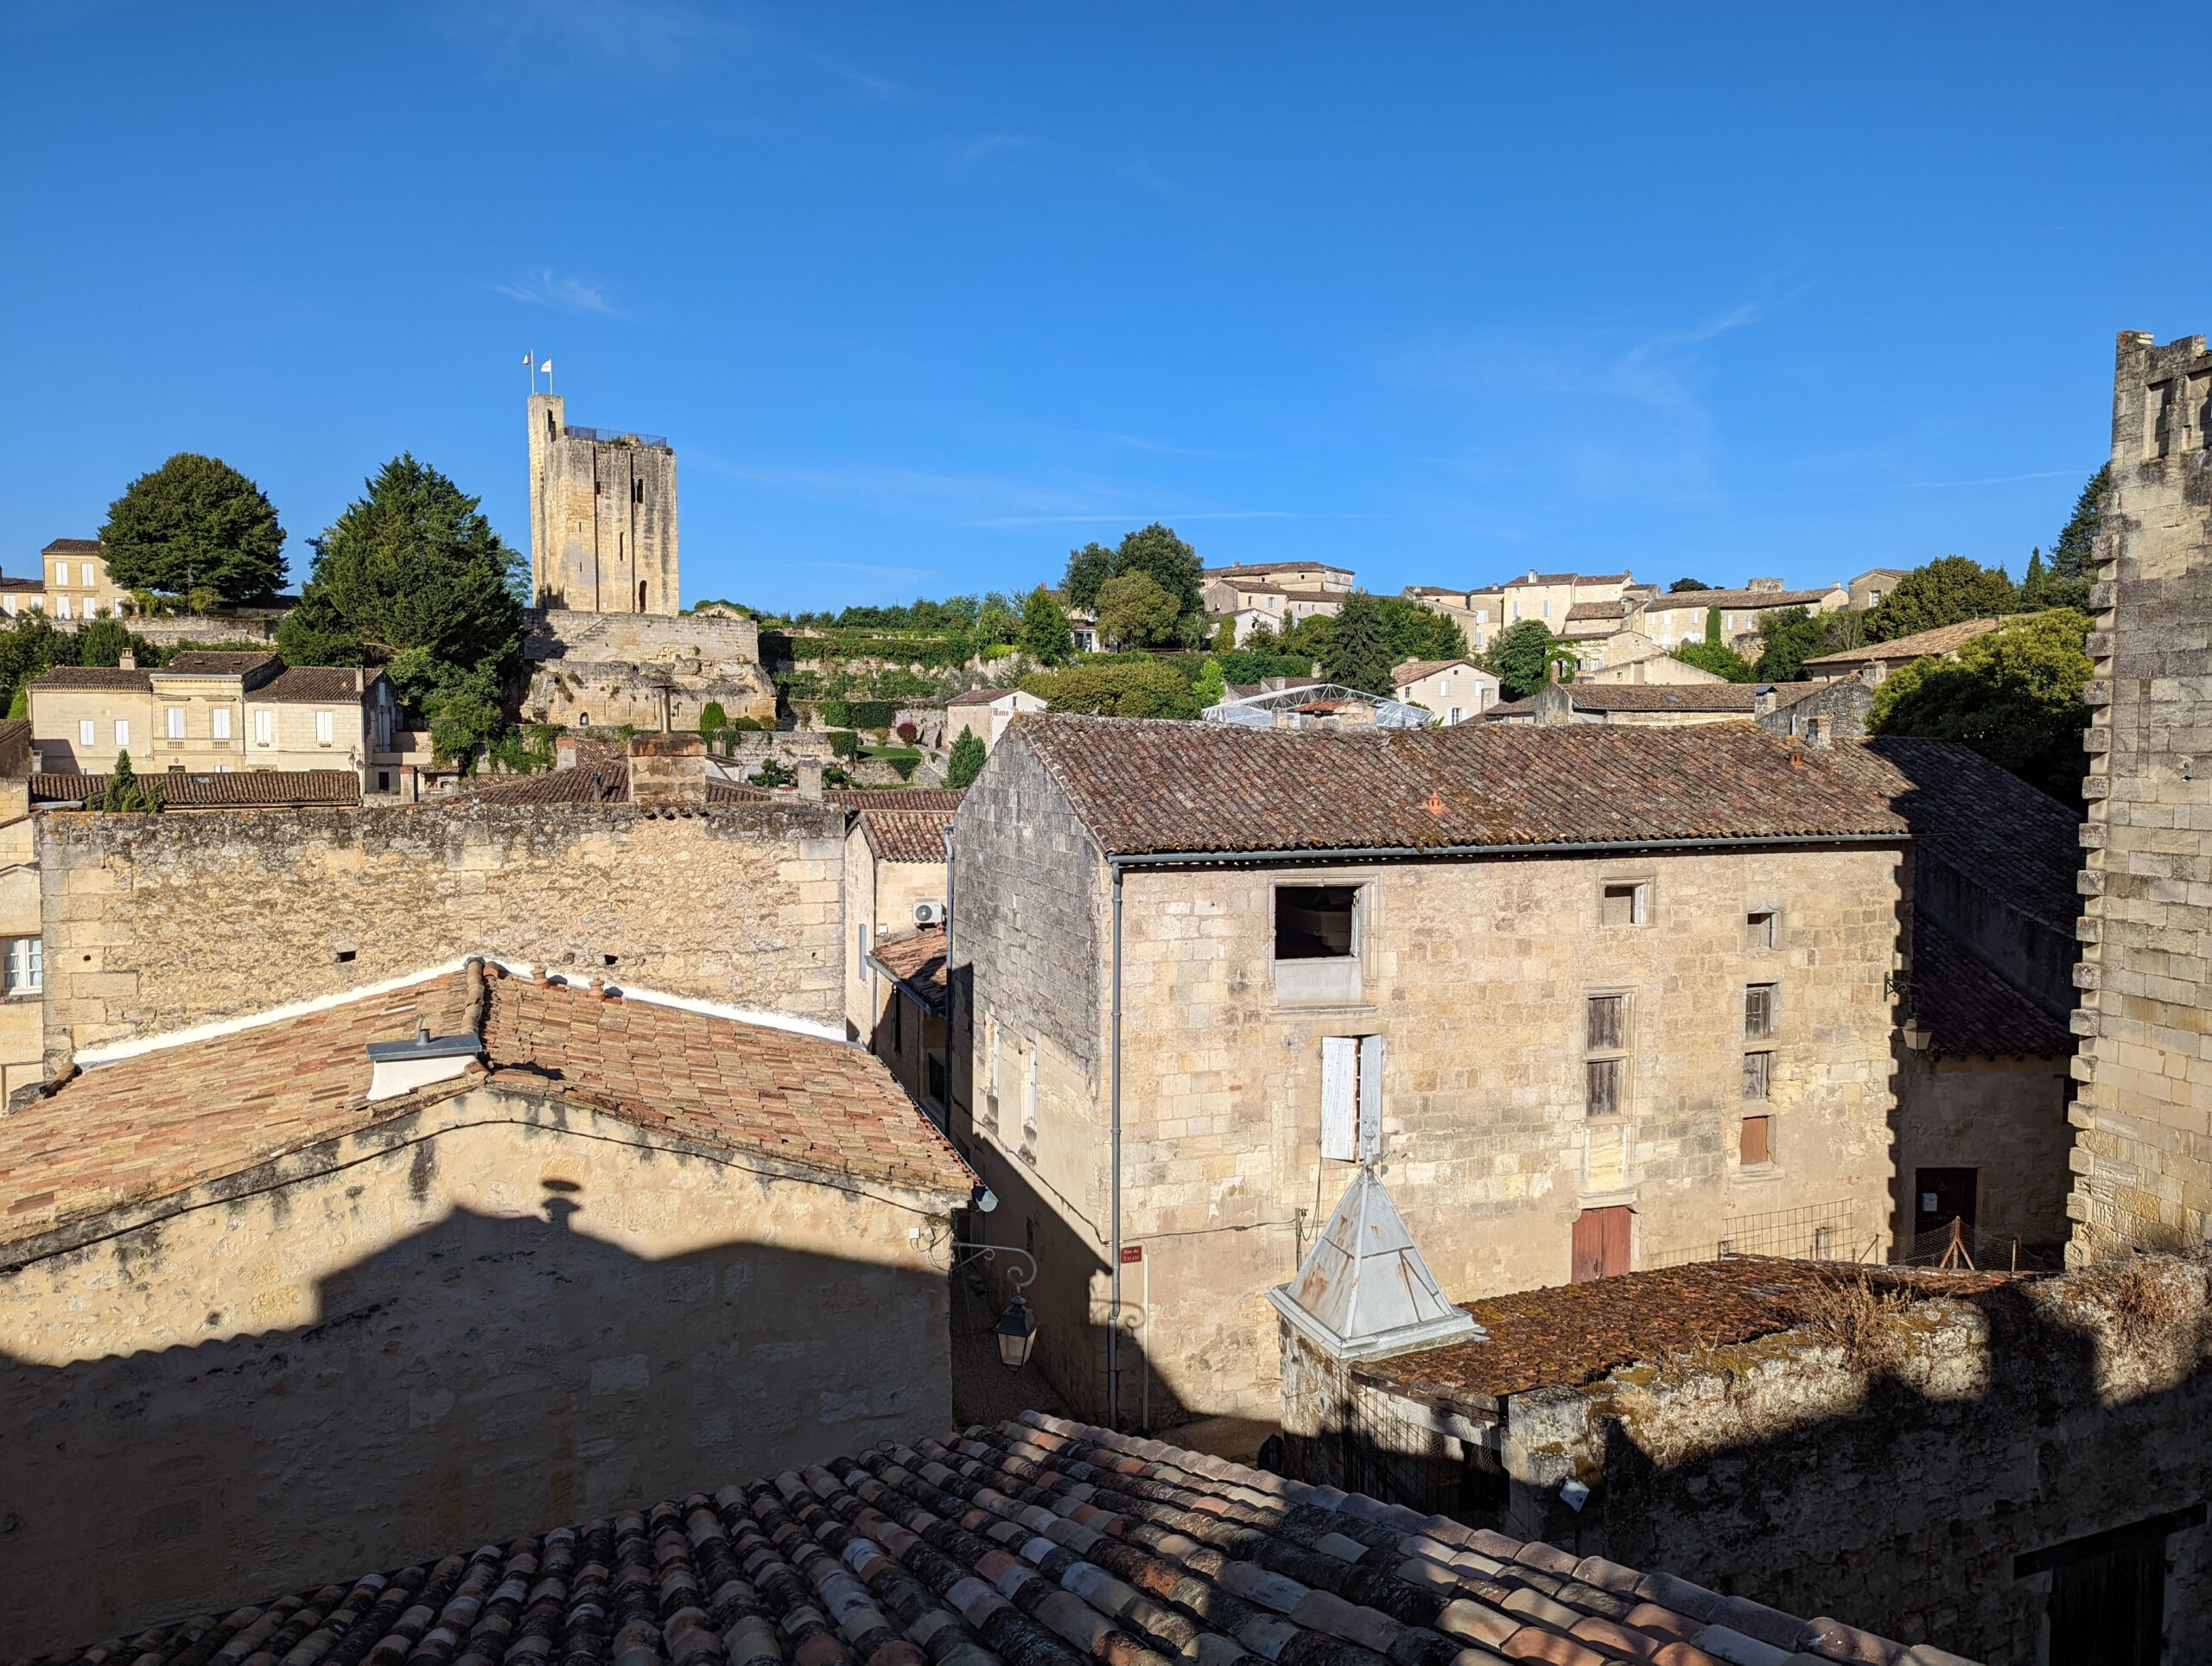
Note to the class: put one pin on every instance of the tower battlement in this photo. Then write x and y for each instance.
(602, 517)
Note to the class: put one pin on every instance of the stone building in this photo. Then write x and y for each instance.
(903, 1554)
(1674, 617)
(157, 923)
(1602, 997)
(445, 1259)
(2013, 1469)
(23, 943)
(217, 710)
(602, 517)
(1875, 660)
(1457, 690)
(1867, 589)
(2143, 1157)
(895, 876)
(76, 584)
(985, 713)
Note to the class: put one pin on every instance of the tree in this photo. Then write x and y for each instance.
(1359, 654)
(30, 648)
(1713, 627)
(1045, 635)
(1943, 592)
(1419, 633)
(1212, 686)
(1142, 689)
(124, 793)
(1717, 657)
(965, 762)
(2014, 695)
(1681, 584)
(773, 772)
(713, 718)
(1521, 658)
(2073, 558)
(1156, 552)
(996, 622)
(194, 523)
(1089, 569)
(1135, 612)
(1788, 638)
(414, 566)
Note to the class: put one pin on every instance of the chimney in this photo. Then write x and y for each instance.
(809, 779)
(668, 769)
(403, 1067)
(1763, 699)
(129, 662)
(1763, 586)
(564, 752)
(410, 784)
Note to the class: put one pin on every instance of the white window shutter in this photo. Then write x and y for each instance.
(1340, 1097)
(1371, 1097)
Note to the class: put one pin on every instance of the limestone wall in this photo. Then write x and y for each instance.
(154, 923)
(605, 670)
(2144, 1156)
(2004, 1117)
(482, 1321)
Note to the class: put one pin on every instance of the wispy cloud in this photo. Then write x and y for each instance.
(547, 287)
(557, 40)
(1992, 479)
(992, 144)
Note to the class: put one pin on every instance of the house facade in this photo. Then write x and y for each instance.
(76, 583)
(894, 893)
(1457, 690)
(1595, 998)
(985, 713)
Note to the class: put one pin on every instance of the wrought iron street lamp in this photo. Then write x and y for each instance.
(1017, 1334)
(1016, 1331)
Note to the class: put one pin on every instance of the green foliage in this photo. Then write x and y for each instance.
(1045, 635)
(2073, 558)
(745, 725)
(996, 619)
(712, 717)
(966, 761)
(1714, 656)
(526, 750)
(103, 642)
(314, 635)
(1943, 592)
(835, 775)
(1134, 611)
(1248, 665)
(1144, 689)
(1681, 584)
(2014, 695)
(1788, 638)
(124, 793)
(906, 763)
(859, 714)
(1713, 627)
(414, 565)
(194, 523)
(844, 743)
(1212, 687)
(773, 772)
(1360, 654)
(1521, 658)
(1419, 633)
(1088, 570)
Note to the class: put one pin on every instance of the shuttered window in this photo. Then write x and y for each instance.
(1758, 1010)
(1351, 1097)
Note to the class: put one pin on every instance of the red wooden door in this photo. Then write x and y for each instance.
(1601, 1244)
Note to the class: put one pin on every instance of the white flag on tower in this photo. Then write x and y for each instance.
(547, 367)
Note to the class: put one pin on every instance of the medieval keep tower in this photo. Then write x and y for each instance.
(2143, 1122)
(602, 517)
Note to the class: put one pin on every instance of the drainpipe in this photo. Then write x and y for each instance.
(1113, 1304)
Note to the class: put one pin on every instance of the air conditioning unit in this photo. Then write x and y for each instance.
(929, 913)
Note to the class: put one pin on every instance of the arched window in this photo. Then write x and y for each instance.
(641, 595)
(584, 720)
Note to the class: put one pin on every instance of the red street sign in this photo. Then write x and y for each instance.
(1132, 1252)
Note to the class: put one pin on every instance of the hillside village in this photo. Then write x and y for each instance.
(1522, 1123)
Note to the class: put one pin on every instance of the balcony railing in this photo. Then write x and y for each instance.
(616, 437)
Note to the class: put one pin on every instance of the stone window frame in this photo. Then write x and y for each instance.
(1644, 905)
(1772, 989)
(1776, 922)
(1620, 1054)
(1340, 982)
(1769, 1164)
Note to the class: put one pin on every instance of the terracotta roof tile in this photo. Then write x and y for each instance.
(1245, 567)
(94, 677)
(241, 789)
(64, 789)
(904, 836)
(911, 798)
(1146, 786)
(596, 782)
(916, 960)
(1413, 670)
(1040, 1541)
(314, 685)
(1944, 639)
(72, 547)
(1527, 578)
(149, 1126)
(37, 586)
(219, 662)
(1597, 610)
(978, 697)
(1673, 600)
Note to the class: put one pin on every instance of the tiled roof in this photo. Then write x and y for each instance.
(1413, 670)
(314, 685)
(978, 697)
(1574, 1333)
(905, 798)
(1243, 568)
(94, 677)
(35, 585)
(917, 960)
(905, 836)
(64, 789)
(1672, 600)
(1968, 1008)
(1944, 639)
(241, 789)
(157, 1124)
(595, 780)
(218, 662)
(1597, 610)
(1528, 579)
(72, 547)
(1038, 1543)
(1147, 786)
(13, 729)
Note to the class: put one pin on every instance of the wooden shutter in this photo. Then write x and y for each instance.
(1753, 1148)
(1371, 1097)
(1601, 1244)
(1340, 1097)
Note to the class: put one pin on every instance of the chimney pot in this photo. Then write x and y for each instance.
(129, 662)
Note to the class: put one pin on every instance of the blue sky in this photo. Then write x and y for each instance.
(923, 295)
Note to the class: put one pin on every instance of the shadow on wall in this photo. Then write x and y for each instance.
(482, 1378)
(2027, 1486)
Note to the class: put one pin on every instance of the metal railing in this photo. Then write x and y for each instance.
(616, 437)
(1819, 1232)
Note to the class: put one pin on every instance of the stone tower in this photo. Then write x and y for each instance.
(602, 517)
(2142, 1144)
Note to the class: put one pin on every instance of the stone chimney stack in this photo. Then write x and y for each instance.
(809, 779)
(564, 752)
(129, 662)
(668, 769)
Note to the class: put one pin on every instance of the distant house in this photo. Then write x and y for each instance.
(894, 896)
(1877, 659)
(1275, 593)
(1457, 690)
(1870, 587)
(986, 712)
(1681, 616)
(1818, 710)
(77, 585)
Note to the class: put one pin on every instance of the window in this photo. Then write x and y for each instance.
(1758, 1010)
(322, 728)
(176, 722)
(860, 952)
(265, 728)
(85, 568)
(219, 722)
(61, 573)
(26, 965)
(1762, 929)
(1029, 1101)
(122, 732)
(1626, 903)
(1758, 1074)
(1316, 922)
(1606, 1023)
(1601, 1087)
(61, 606)
(1754, 1149)
(636, 491)
(1351, 1097)
(1604, 1073)
(85, 732)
